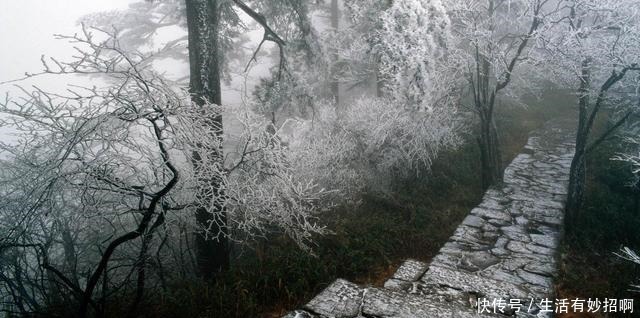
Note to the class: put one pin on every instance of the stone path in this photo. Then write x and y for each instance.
(505, 249)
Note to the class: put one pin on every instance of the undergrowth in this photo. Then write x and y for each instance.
(369, 242)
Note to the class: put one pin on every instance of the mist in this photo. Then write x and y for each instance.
(334, 158)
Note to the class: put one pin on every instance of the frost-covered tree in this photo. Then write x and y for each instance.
(493, 38)
(368, 145)
(373, 141)
(160, 26)
(205, 90)
(213, 30)
(297, 82)
(101, 183)
(630, 255)
(355, 41)
(147, 25)
(404, 130)
(419, 51)
(335, 26)
(204, 86)
(412, 51)
(405, 44)
(593, 47)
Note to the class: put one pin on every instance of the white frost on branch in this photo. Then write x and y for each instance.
(369, 144)
(97, 158)
(411, 48)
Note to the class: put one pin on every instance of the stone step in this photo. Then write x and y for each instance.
(343, 299)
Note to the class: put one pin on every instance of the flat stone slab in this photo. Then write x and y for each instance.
(342, 299)
(474, 283)
(411, 270)
(386, 303)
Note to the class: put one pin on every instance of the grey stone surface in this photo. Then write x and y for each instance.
(340, 300)
(410, 270)
(386, 303)
(300, 314)
(475, 283)
(505, 248)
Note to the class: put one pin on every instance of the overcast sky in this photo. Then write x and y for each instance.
(27, 28)
(26, 32)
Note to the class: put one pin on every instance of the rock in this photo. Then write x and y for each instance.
(341, 299)
(410, 270)
(535, 279)
(544, 240)
(385, 303)
(540, 250)
(541, 268)
(482, 259)
(472, 283)
(495, 217)
(398, 285)
(516, 233)
(300, 314)
(474, 221)
(518, 247)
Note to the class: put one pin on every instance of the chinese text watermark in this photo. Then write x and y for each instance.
(589, 305)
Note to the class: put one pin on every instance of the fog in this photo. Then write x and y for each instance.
(334, 158)
(27, 29)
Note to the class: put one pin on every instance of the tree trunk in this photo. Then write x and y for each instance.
(335, 85)
(577, 179)
(490, 155)
(204, 86)
(575, 192)
(577, 174)
(485, 99)
(68, 246)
